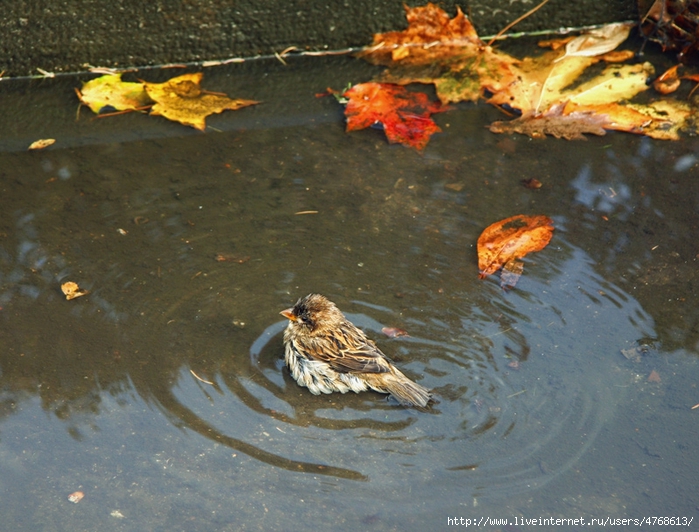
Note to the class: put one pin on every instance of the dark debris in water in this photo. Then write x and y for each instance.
(636, 353)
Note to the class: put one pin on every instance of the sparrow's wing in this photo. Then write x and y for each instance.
(349, 350)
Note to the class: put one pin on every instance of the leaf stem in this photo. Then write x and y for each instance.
(517, 21)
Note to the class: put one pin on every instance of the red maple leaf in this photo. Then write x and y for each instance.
(405, 115)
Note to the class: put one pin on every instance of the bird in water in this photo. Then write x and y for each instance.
(326, 353)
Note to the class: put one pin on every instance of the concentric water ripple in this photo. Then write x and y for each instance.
(519, 401)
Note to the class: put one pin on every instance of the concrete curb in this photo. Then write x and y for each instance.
(73, 35)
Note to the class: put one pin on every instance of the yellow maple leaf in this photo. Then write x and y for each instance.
(109, 92)
(615, 83)
(181, 99)
(662, 119)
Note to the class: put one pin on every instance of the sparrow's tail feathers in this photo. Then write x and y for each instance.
(402, 389)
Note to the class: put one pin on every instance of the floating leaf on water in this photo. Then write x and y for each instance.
(181, 99)
(669, 81)
(405, 115)
(618, 56)
(615, 83)
(41, 144)
(431, 36)
(108, 93)
(599, 41)
(512, 238)
(556, 122)
(394, 332)
(72, 290)
(448, 53)
(654, 376)
(76, 496)
(532, 183)
(662, 119)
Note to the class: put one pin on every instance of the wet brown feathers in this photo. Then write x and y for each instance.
(326, 353)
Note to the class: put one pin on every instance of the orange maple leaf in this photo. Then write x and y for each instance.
(431, 35)
(512, 238)
(444, 51)
(405, 115)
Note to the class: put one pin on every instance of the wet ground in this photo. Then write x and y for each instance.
(162, 395)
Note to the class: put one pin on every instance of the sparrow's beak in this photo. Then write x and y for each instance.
(288, 314)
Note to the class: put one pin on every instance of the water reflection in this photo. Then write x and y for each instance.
(521, 427)
(527, 381)
(526, 403)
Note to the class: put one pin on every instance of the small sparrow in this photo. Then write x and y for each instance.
(326, 353)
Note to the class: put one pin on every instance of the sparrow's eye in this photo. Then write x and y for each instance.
(305, 318)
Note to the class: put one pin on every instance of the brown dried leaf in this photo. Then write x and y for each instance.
(668, 81)
(532, 183)
(617, 56)
(554, 122)
(555, 44)
(446, 52)
(654, 376)
(431, 36)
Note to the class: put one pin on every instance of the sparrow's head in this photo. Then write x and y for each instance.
(314, 314)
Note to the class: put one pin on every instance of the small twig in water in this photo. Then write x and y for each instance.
(199, 378)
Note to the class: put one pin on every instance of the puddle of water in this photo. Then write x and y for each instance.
(539, 412)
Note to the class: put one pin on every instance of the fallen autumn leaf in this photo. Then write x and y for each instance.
(41, 144)
(405, 115)
(512, 238)
(554, 122)
(71, 290)
(76, 497)
(448, 53)
(181, 99)
(108, 92)
(598, 41)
